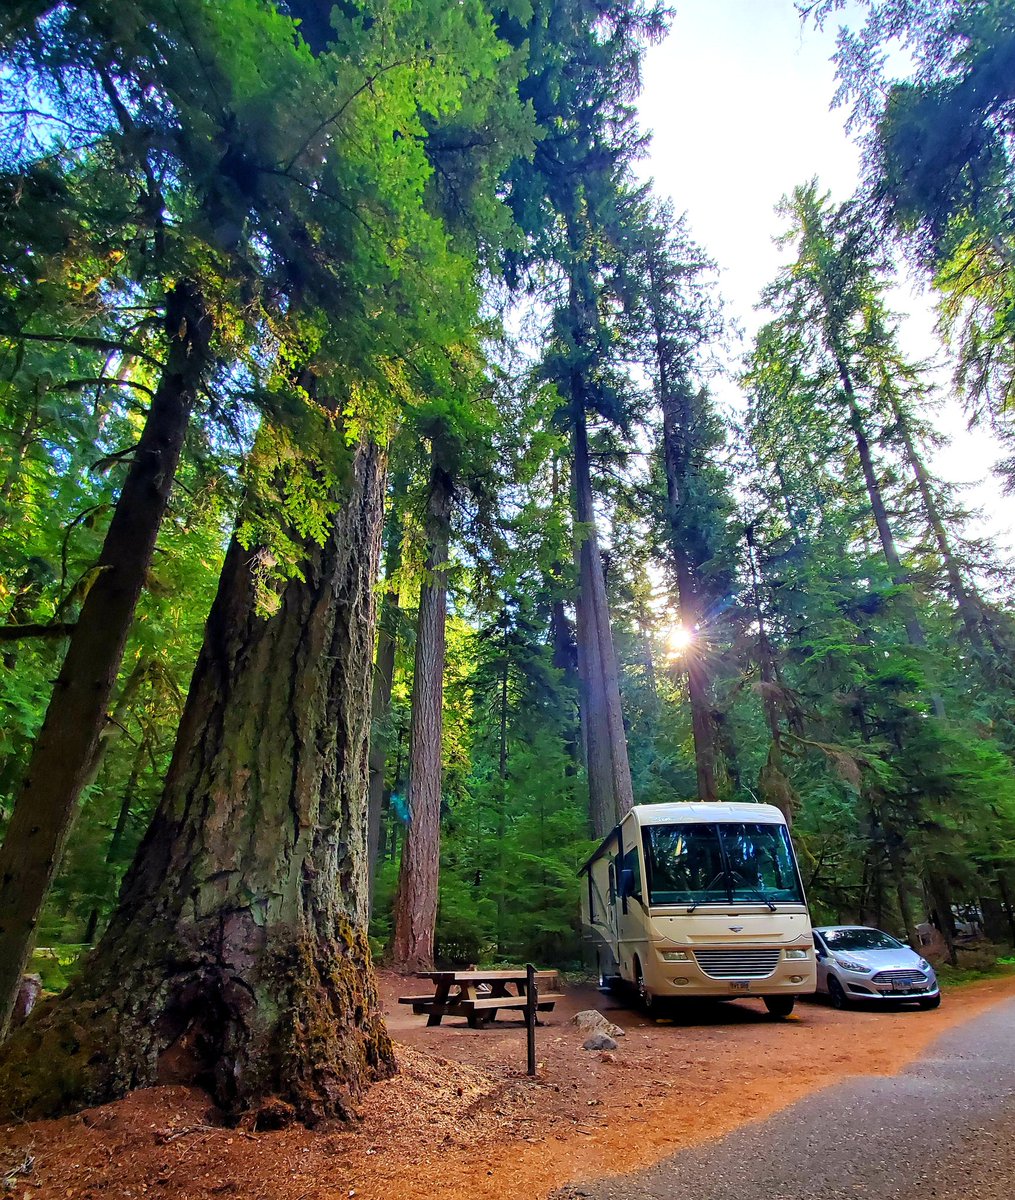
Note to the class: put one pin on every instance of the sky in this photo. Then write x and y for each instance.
(737, 99)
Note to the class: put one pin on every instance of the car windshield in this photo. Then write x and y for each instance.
(720, 864)
(860, 939)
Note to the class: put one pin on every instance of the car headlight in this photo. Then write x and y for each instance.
(925, 965)
(794, 954)
(675, 956)
(851, 965)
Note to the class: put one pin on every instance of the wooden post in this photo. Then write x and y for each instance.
(530, 1015)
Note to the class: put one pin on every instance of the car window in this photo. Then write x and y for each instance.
(861, 939)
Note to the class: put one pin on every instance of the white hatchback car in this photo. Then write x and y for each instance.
(857, 963)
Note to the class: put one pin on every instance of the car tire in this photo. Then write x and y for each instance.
(836, 993)
(929, 1002)
(779, 1006)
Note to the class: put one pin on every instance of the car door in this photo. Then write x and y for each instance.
(821, 954)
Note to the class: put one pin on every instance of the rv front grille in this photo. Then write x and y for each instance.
(737, 964)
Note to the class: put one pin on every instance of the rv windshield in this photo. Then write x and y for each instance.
(720, 864)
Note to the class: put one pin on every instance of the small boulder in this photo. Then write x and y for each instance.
(591, 1020)
(599, 1041)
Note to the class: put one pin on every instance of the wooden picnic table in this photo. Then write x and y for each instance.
(480, 995)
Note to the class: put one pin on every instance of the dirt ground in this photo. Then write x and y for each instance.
(463, 1120)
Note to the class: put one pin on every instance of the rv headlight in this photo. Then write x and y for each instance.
(675, 956)
(795, 953)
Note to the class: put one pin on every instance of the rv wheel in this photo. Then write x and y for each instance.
(780, 1006)
(645, 997)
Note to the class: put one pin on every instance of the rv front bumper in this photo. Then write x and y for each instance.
(725, 971)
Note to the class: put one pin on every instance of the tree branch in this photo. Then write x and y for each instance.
(15, 633)
(89, 343)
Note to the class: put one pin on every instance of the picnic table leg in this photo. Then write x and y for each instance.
(440, 998)
(469, 991)
(497, 988)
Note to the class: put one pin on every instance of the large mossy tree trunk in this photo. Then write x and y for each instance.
(415, 915)
(237, 958)
(63, 753)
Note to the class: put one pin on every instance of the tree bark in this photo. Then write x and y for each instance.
(237, 958)
(66, 744)
(895, 847)
(773, 783)
(502, 761)
(940, 895)
(380, 697)
(914, 630)
(611, 794)
(415, 915)
(677, 431)
(119, 829)
(967, 610)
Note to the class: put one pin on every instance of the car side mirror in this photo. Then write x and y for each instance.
(626, 883)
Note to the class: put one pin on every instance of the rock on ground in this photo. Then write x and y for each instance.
(591, 1020)
(599, 1041)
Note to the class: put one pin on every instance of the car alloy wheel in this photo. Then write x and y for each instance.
(835, 991)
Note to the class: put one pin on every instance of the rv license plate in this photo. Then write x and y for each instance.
(741, 985)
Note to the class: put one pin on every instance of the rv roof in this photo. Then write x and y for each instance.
(689, 812)
(695, 811)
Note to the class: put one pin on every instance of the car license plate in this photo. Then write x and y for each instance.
(899, 986)
(741, 985)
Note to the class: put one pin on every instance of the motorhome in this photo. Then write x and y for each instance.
(700, 899)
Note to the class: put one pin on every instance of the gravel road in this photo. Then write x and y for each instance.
(942, 1129)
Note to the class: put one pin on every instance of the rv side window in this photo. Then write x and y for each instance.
(613, 885)
(593, 916)
(633, 864)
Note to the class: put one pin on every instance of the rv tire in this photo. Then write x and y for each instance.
(779, 1006)
(646, 1001)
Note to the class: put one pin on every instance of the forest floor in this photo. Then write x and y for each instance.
(462, 1119)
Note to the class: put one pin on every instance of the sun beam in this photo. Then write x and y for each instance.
(679, 639)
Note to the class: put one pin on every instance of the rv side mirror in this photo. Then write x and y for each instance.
(626, 883)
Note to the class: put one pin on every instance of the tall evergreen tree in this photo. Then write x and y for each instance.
(277, 997)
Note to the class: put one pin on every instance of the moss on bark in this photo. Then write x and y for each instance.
(237, 957)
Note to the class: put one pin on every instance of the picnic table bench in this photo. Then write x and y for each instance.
(480, 995)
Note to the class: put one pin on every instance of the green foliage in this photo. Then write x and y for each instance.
(940, 170)
(370, 201)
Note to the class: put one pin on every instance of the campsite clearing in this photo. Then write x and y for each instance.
(462, 1112)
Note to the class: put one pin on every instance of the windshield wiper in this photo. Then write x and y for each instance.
(736, 877)
(762, 897)
(708, 887)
